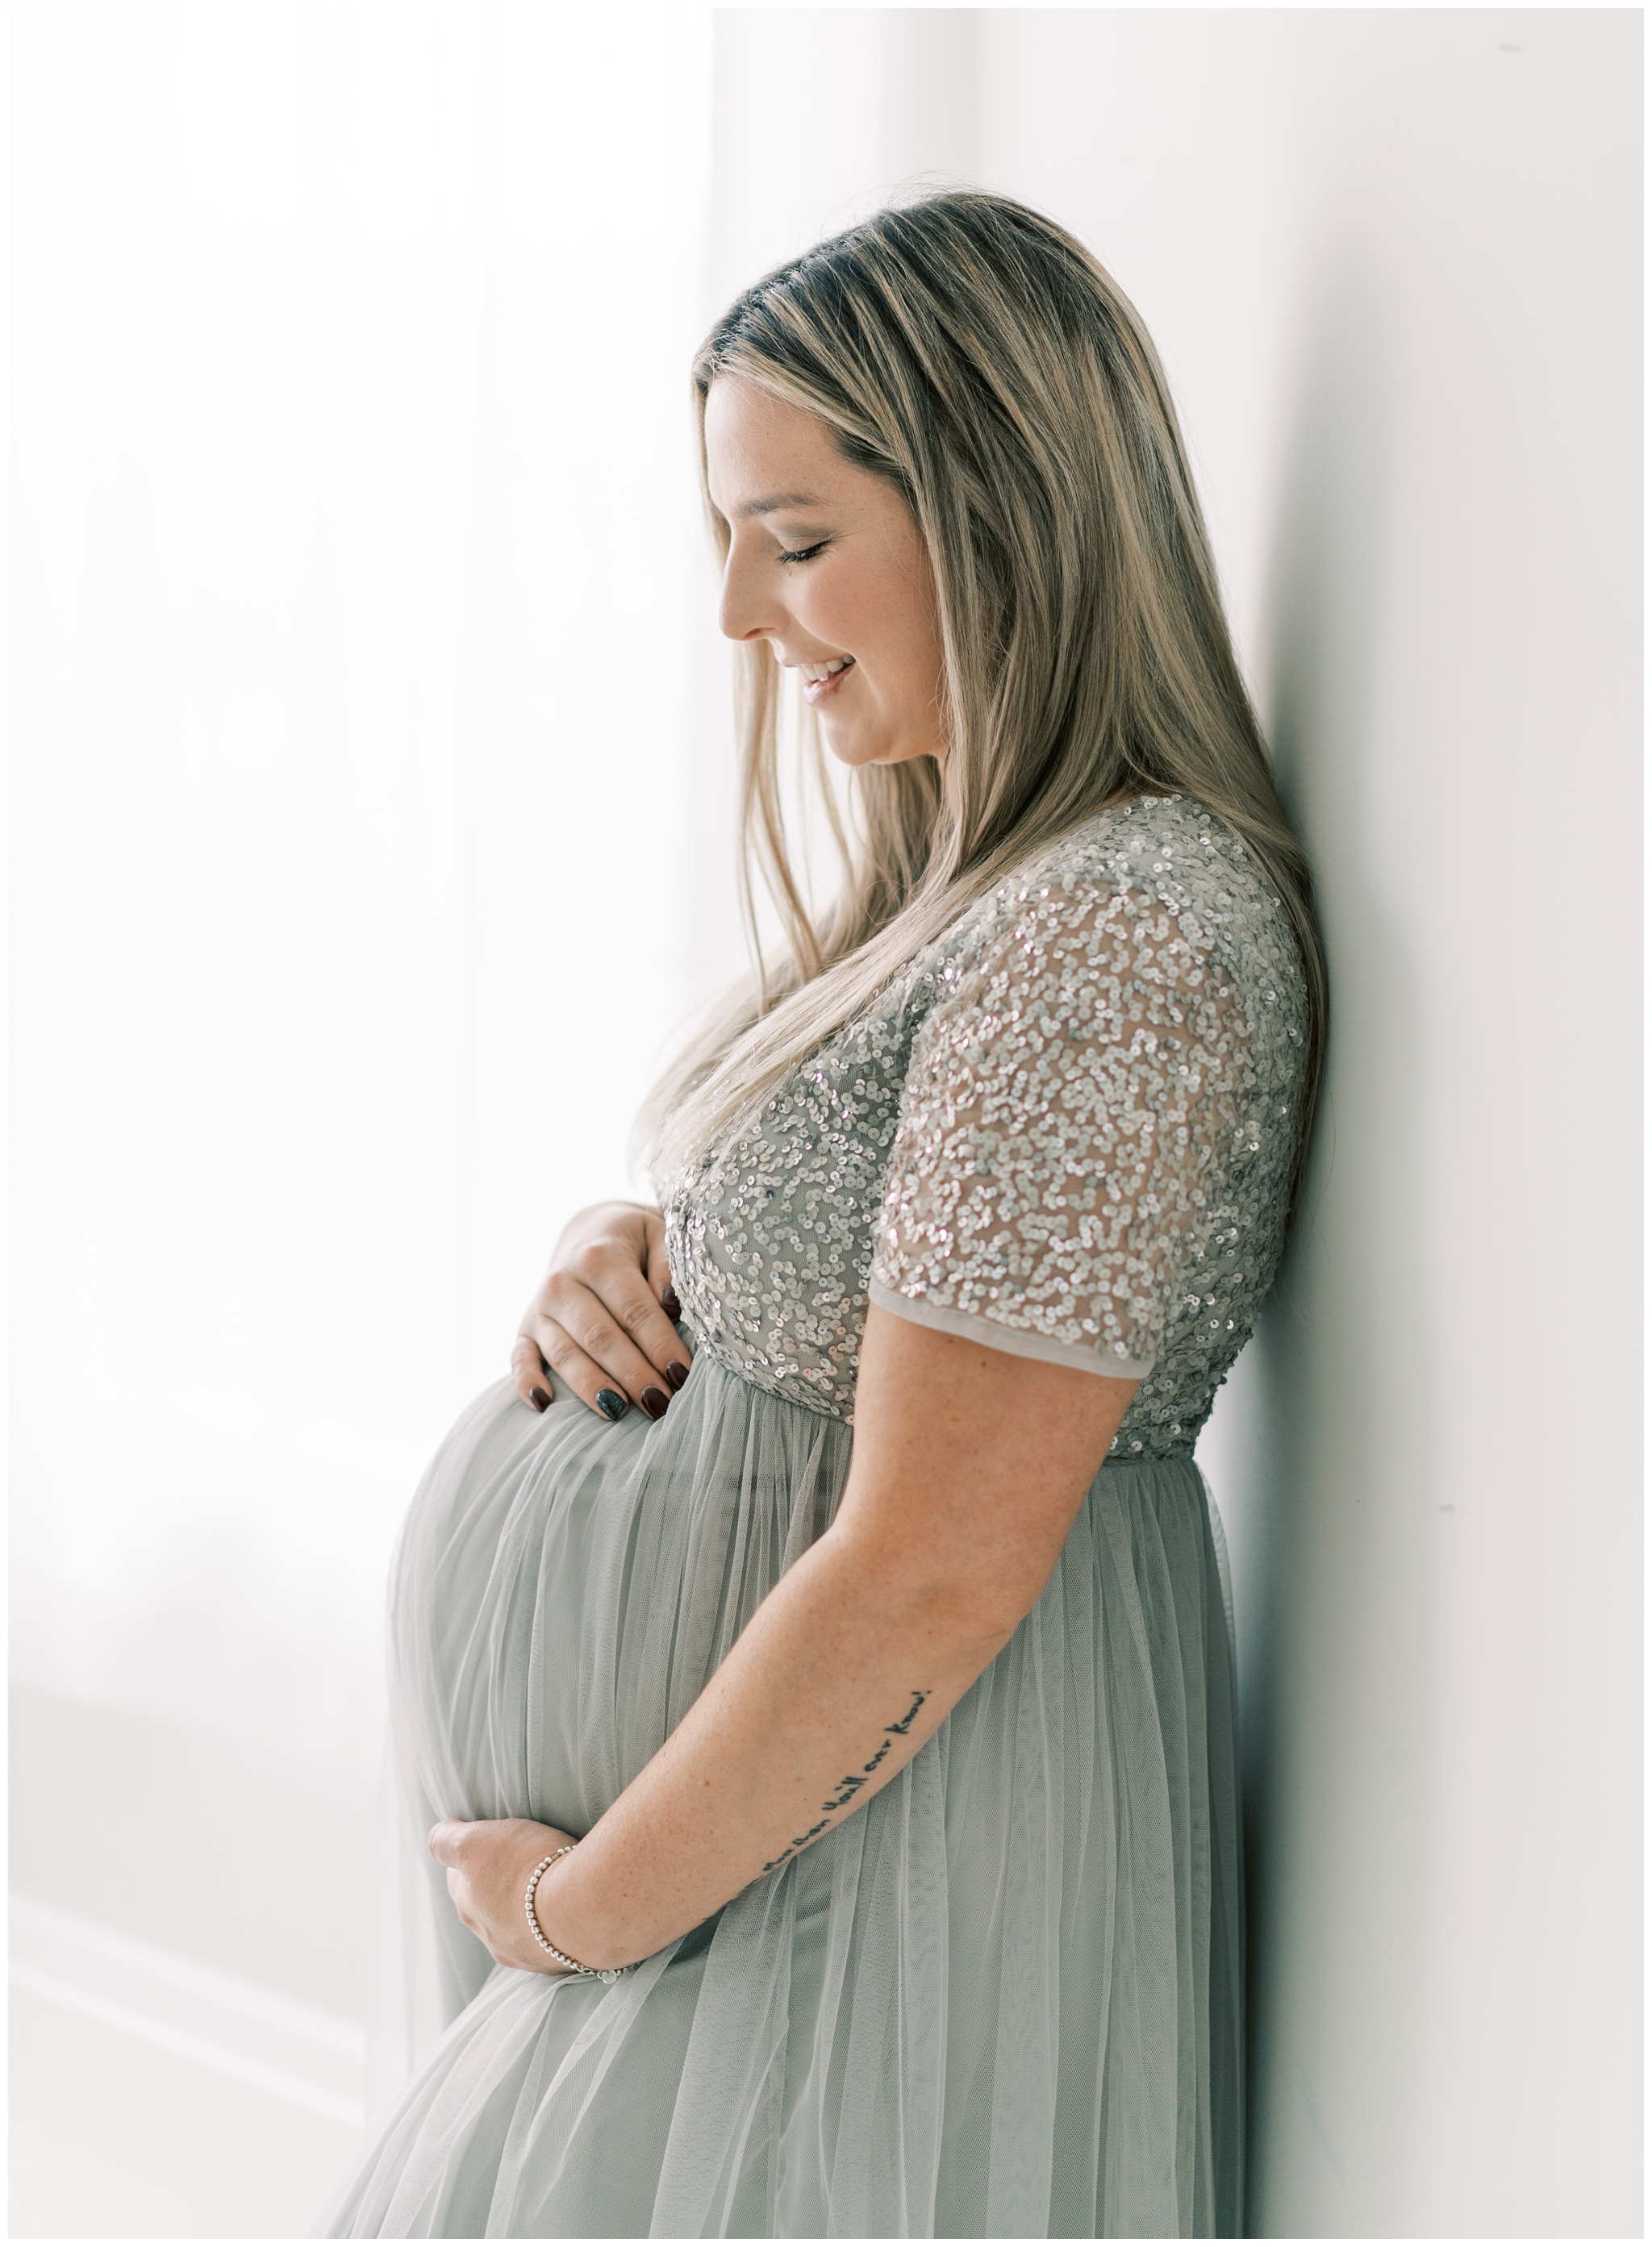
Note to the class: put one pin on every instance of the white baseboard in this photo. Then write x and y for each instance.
(235, 2029)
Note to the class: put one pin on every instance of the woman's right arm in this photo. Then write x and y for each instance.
(601, 1321)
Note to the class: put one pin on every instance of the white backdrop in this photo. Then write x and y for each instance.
(373, 803)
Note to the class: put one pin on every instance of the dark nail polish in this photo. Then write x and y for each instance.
(676, 1374)
(611, 1402)
(669, 1304)
(654, 1402)
(541, 1399)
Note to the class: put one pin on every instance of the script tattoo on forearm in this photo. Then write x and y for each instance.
(851, 1783)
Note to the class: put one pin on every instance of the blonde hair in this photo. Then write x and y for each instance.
(975, 354)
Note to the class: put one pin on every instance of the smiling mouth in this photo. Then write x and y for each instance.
(821, 679)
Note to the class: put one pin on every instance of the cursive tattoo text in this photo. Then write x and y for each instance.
(851, 1783)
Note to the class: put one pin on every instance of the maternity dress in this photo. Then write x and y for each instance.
(1005, 1998)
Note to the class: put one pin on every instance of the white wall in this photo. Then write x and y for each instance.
(1393, 262)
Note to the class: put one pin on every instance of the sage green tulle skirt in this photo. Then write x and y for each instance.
(1004, 2000)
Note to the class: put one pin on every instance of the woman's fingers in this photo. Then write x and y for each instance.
(529, 1372)
(598, 1381)
(446, 1837)
(618, 1345)
(602, 1321)
(582, 1375)
(625, 1267)
(622, 1285)
(638, 1313)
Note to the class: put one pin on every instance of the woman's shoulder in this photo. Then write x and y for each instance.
(1150, 904)
(1150, 859)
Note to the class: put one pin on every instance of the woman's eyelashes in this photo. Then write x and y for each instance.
(807, 553)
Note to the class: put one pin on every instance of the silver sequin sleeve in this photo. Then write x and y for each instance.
(1064, 1123)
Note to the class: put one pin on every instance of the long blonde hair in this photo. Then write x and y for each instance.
(975, 354)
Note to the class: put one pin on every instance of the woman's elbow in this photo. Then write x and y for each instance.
(982, 1612)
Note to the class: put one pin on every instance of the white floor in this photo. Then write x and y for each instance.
(114, 2139)
(187, 2044)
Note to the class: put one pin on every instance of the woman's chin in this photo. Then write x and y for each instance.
(853, 746)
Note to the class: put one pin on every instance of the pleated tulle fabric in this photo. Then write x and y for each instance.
(1004, 2000)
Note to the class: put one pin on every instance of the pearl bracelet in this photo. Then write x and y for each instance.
(600, 1973)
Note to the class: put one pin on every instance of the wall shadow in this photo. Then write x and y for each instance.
(1335, 1493)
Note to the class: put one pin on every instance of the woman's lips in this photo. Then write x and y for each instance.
(817, 690)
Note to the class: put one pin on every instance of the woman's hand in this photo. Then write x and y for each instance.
(488, 1861)
(602, 1320)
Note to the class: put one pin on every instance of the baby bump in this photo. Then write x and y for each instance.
(564, 1586)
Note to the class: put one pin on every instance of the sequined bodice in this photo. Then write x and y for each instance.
(1068, 1125)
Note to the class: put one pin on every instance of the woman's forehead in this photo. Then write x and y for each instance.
(764, 454)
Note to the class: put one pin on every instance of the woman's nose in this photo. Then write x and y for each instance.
(746, 610)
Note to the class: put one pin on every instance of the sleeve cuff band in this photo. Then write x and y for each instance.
(974, 1327)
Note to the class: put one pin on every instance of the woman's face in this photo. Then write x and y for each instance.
(825, 563)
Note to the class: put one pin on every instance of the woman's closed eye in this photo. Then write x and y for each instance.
(807, 553)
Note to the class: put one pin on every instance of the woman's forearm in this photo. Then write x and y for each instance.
(969, 1465)
(829, 1692)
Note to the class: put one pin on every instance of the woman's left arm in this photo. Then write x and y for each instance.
(969, 1467)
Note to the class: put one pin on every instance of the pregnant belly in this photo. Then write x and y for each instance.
(564, 1588)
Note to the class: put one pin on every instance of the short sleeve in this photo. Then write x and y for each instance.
(1067, 1118)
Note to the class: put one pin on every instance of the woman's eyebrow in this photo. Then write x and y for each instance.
(780, 499)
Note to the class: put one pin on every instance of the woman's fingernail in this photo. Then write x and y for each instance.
(669, 1304)
(654, 1402)
(611, 1402)
(676, 1374)
(540, 1399)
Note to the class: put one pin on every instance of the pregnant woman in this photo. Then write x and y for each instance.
(812, 1672)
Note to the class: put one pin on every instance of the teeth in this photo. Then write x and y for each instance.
(814, 672)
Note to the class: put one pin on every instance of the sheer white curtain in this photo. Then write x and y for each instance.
(373, 795)
(361, 874)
